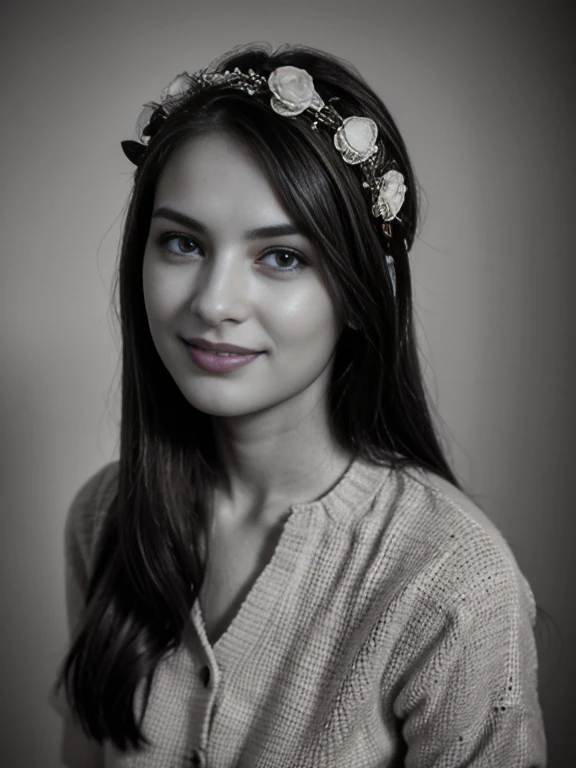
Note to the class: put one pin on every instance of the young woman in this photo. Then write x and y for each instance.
(282, 570)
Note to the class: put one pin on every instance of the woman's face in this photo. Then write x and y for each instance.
(217, 280)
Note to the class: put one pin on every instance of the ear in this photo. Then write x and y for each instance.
(133, 151)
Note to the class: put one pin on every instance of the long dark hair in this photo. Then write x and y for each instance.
(148, 565)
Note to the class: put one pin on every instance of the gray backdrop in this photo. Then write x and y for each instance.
(483, 94)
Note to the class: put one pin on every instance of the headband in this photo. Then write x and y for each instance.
(293, 94)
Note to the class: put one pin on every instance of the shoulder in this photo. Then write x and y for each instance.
(87, 510)
(453, 553)
(464, 657)
(452, 506)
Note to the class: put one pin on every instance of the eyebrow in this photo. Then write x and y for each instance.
(274, 230)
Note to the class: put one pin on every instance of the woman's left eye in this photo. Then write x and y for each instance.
(290, 255)
(183, 245)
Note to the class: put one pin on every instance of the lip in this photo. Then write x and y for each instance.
(212, 346)
(208, 361)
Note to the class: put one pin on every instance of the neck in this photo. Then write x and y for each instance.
(271, 461)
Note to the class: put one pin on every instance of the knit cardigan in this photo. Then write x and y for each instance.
(392, 627)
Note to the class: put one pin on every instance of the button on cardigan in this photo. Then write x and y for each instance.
(391, 628)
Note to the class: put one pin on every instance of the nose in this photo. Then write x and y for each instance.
(221, 290)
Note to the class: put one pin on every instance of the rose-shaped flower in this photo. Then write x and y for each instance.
(143, 122)
(176, 88)
(293, 90)
(356, 139)
(391, 196)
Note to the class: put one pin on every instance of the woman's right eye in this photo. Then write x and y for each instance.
(177, 243)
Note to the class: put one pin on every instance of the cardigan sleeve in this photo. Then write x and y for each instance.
(468, 691)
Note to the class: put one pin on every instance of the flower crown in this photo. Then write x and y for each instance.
(293, 94)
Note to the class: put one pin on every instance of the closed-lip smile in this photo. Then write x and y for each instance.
(211, 346)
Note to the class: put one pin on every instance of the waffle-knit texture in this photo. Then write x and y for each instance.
(391, 628)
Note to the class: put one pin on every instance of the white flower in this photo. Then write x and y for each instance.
(356, 139)
(293, 90)
(176, 88)
(142, 122)
(391, 196)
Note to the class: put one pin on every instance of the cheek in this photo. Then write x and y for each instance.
(161, 296)
(305, 317)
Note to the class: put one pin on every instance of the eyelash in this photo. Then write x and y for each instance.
(165, 238)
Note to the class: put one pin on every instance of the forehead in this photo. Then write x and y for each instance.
(217, 171)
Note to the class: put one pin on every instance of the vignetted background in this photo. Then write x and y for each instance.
(483, 93)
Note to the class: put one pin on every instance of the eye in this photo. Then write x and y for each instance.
(177, 243)
(291, 256)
